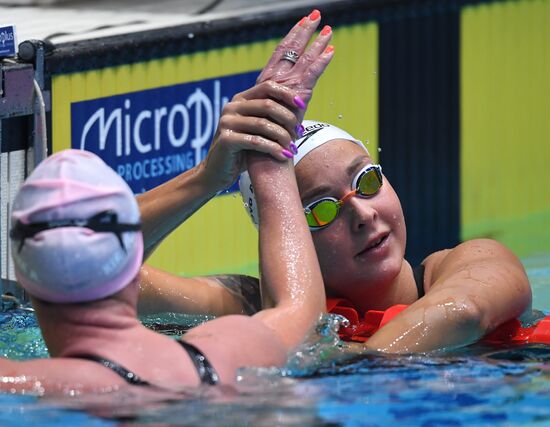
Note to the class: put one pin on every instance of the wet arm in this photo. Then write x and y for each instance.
(471, 290)
(290, 273)
(162, 292)
(289, 268)
(167, 206)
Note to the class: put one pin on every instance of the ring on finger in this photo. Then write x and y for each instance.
(291, 55)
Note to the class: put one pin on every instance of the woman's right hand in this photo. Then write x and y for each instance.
(261, 119)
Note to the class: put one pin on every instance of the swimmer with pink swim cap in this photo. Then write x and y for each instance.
(77, 248)
(75, 230)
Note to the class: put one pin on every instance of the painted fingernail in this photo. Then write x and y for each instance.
(329, 49)
(302, 21)
(299, 130)
(294, 148)
(326, 30)
(287, 154)
(299, 102)
(314, 16)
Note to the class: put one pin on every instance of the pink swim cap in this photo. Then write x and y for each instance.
(62, 260)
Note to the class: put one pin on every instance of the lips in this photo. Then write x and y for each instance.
(374, 243)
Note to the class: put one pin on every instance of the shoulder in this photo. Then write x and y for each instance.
(245, 288)
(469, 253)
(475, 250)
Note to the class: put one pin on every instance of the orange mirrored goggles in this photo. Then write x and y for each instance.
(322, 212)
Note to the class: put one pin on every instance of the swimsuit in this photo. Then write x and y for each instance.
(361, 327)
(206, 371)
(418, 274)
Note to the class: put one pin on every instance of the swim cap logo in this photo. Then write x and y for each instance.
(309, 131)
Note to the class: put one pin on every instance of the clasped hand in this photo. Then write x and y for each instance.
(267, 117)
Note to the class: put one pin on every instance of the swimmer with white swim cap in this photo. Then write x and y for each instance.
(314, 135)
(77, 247)
(456, 295)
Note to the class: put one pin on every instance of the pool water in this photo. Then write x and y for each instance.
(538, 269)
(480, 387)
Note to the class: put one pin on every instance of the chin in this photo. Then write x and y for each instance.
(384, 273)
(380, 276)
(364, 272)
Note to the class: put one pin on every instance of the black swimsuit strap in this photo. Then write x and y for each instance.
(206, 371)
(418, 273)
(127, 375)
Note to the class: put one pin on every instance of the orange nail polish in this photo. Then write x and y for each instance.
(302, 21)
(314, 15)
(329, 49)
(326, 30)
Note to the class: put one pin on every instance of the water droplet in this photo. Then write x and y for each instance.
(379, 149)
(190, 35)
(374, 72)
(366, 141)
(340, 116)
(245, 205)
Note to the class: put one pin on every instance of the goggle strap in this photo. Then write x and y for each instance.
(347, 197)
(102, 222)
(119, 237)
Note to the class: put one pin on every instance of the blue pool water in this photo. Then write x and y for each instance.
(481, 387)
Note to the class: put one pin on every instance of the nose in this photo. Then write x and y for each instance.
(362, 212)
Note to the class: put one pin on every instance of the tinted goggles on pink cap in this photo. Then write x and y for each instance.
(102, 222)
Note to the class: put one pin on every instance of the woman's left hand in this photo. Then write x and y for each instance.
(302, 75)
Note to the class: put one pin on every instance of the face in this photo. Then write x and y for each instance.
(362, 249)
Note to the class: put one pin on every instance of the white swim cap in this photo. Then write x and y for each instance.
(58, 256)
(315, 135)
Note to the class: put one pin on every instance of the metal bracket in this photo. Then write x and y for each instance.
(17, 90)
(17, 96)
(21, 94)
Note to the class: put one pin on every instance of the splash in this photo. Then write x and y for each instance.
(321, 348)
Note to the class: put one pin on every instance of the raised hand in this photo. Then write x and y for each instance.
(301, 75)
(252, 120)
(263, 119)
